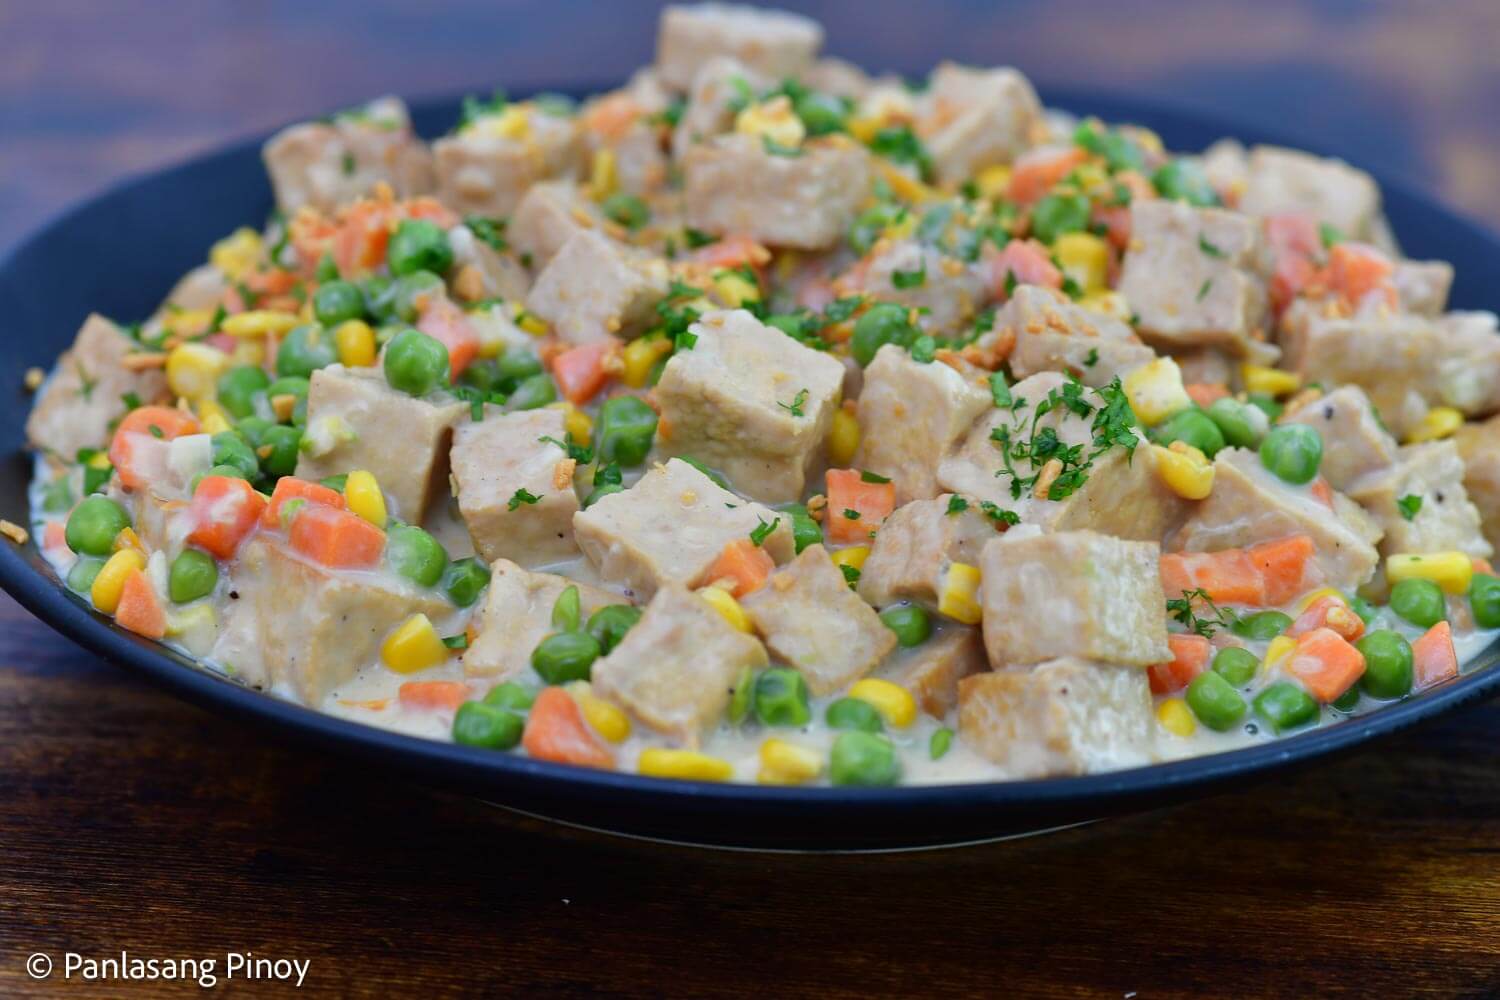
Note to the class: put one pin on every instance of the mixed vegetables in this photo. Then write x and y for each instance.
(760, 420)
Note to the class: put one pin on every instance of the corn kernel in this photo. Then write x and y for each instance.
(110, 583)
(248, 352)
(903, 185)
(98, 460)
(843, 439)
(773, 120)
(193, 370)
(1184, 469)
(685, 765)
(1083, 257)
(1307, 600)
(128, 539)
(236, 254)
(993, 182)
(1176, 718)
(892, 701)
(604, 717)
(1453, 571)
(864, 129)
(639, 356)
(783, 763)
(1278, 650)
(514, 122)
(578, 424)
(734, 289)
(531, 323)
(211, 417)
(959, 597)
(1272, 381)
(902, 228)
(258, 323)
(187, 322)
(724, 603)
(362, 494)
(1155, 391)
(1107, 302)
(1440, 422)
(854, 556)
(603, 177)
(355, 342)
(414, 646)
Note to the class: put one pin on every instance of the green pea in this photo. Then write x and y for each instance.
(1285, 706)
(742, 696)
(610, 623)
(1240, 424)
(238, 388)
(81, 576)
(415, 363)
(1261, 625)
(821, 114)
(290, 385)
(1292, 452)
(1236, 665)
(476, 724)
(304, 350)
(1265, 403)
(625, 430)
(1389, 670)
(327, 270)
(419, 245)
(1361, 607)
(93, 525)
(805, 531)
(484, 375)
(337, 302)
(600, 492)
(565, 656)
(193, 575)
(376, 292)
(1484, 599)
(234, 451)
(515, 365)
(226, 471)
(626, 209)
(284, 444)
(781, 698)
(1057, 214)
(1214, 701)
(1420, 602)
(940, 744)
(1191, 426)
(909, 622)
(533, 392)
(401, 300)
(415, 554)
(881, 324)
(510, 695)
(1184, 180)
(870, 223)
(464, 580)
(95, 478)
(851, 713)
(863, 759)
(253, 429)
(567, 610)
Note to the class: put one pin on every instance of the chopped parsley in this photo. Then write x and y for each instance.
(900, 144)
(580, 453)
(924, 350)
(132, 401)
(763, 530)
(957, 504)
(348, 164)
(841, 309)
(851, 574)
(475, 108)
(998, 514)
(677, 318)
(1010, 283)
(1071, 288)
(460, 641)
(1112, 424)
(1410, 505)
(696, 238)
(1203, 289)
(910, 279)
(523, 495)
(999, 391)
(866, 476)
(156, 431)
(1091, 358)
(487, 231)
(1181, 609)
(1329, 235)
(797, 403)
(850, 514)
(1208, 248)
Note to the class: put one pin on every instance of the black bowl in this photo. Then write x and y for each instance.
(120, 252)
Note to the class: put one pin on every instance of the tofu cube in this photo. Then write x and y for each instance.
(1479, 445)
(674, 669)
(947, 296)
(493, 461)
(548, 215)
(751, 402)
(916, 545)
(83, 398)
(323, 165)
(517, 615)
(1446, 521)
(1064, 717)
(487, 166)
(716, 91)
(362, 423)
(1423, 286)
(1073, 593)
(773, 43)
(669, 528)
(1354, 443)
(975, 118)
(1054, 334)
(1289, 180)
(933, 670)
(595, 288)
(810, 619)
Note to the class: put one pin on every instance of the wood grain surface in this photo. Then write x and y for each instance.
(131, 821)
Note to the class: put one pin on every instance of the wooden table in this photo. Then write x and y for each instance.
(131, 821)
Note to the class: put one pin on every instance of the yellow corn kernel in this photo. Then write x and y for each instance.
(128, 539)
(783, 763)
(639, 356)
(843, 439)
(1453, 571)
(864, 129)
(854, 556)
(902, 228)
(578, 424)
(903, 185)
(1278, 650)
(531, 323)
(892, 701)
(686, 765)
(98, 460)
(734, 289)
(211, 417)
(604, 717)
(362, 494)
(193, 370)
(248, 352)
(1108, 302)
(1176, 718)
(110, 582)
(724, 603)
(1272, 381)
(1155, 391)
(355, 342)
(1083, 257)
(959, 597)
(604, 178)
(414, 646)
(993, 182)
(512, 123)
(259, 323)
(773, 120)
(1184, 469)
(1440, 422)
(1147, 139)
(1317, 595)
(187, 322)
(236, 254)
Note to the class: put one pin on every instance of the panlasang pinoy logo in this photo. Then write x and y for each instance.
(206, 972)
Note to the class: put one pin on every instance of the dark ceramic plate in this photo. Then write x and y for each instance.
(119, 253)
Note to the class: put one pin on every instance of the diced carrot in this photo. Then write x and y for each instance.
(1294, 246)
(1028, 260)
(429, 208)
(1358, 270)
(1330, 613)
(580, 371)
(733, 251)
(363, 233)
(1227, 576)
(610, 117)
(224, 510)
(158, 422)
(1204, 393)
(291, 488)
(140, 609)
(743, 563)
(1321, 492)
(311, 234)
(1433, 655)
(1190, 656)
(338, 539)
(54, 537)
(556, 731)
(447, 323)
(1035, 172)
(1326, 664)
(1283, 566)
(1482, 565)
(1116, 222)
(446, 695)
(856, 508)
